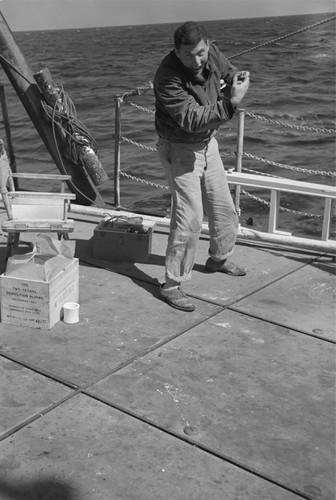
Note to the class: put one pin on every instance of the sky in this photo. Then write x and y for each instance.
(29, 15)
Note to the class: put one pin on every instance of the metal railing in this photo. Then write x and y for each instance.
(239, 179)
(236, 177)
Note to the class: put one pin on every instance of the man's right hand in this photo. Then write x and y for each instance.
(240, 85)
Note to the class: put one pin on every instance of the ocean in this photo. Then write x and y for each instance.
(292, 82)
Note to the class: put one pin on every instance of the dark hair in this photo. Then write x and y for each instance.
(189, 33)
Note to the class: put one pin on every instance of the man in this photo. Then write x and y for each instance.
(190, 107)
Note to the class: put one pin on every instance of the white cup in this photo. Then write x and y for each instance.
(71, 312)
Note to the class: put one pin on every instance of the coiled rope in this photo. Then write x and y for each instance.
(64, 115)
(66, 120)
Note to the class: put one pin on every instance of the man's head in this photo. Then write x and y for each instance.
(192, 46)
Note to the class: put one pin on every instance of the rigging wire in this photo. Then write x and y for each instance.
(3, 58)
(283, 37)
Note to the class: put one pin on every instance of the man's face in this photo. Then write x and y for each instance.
(194, 57)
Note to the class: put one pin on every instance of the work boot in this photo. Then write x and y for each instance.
(223, 266)
(175, 297)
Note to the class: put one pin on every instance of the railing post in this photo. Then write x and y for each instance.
(326, 219)
(239, 156)
(117, 135)
(274, 211)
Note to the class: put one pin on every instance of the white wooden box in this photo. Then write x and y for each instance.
(38, 304)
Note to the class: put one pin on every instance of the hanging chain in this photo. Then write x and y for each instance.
(324, 173)
(137, 144)
(291, 125)
(143, 181)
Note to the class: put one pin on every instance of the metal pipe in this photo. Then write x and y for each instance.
(239, 156)
(117, 135)
(138, 91)
(244, 234)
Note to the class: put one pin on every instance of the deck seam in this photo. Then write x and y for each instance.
(40, 371)
(282, 325)
(87, 389)
(38, 415)
(205, 449)
(120, 366)
(257, 290)
(202, 447)
(83, 389)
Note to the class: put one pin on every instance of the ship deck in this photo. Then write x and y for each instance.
(141, 401)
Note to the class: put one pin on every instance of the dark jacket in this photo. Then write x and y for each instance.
(190, 109)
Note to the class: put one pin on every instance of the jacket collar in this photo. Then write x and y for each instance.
(194, 79)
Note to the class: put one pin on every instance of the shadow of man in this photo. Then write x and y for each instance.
(130, 269)
(45, 489)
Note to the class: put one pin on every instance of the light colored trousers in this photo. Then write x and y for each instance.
(198, 184)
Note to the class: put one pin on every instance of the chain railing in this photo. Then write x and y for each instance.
(238, 154)
(292, 125)
(323, 173)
